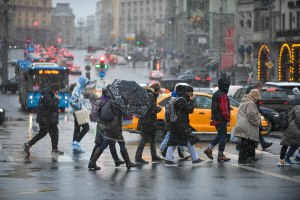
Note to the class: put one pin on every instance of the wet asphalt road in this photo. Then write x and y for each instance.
(43, 176)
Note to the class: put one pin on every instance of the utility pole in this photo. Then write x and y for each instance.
(4, 54)
(220, 42)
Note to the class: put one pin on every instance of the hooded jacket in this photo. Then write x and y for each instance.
(291, 136)
(248, 119)
(76, 101)
(47, 111)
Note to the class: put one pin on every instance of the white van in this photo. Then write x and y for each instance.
(287, 86)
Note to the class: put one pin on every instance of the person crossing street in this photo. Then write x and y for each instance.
(47, 118)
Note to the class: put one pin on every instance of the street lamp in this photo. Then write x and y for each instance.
(4, 57)
(80, 23)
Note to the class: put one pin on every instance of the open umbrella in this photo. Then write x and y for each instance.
(129, 97)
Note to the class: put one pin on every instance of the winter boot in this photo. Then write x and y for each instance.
(125, 156)
(115, 156)
(92, 164)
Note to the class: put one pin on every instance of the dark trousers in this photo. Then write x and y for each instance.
(146, 138)
(247, 149)
(78, 135)
(290, 152)
(52, 129)
(106, 142)
(221, 137)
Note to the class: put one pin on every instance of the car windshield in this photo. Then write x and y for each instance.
(274, 95)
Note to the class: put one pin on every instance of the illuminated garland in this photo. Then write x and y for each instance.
(262, 47)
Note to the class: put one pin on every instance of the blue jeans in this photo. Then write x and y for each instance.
(220, 138)
(191, 148)
(164, 143)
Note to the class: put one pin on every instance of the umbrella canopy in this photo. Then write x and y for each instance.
(129, 97)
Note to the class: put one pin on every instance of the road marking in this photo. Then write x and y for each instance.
(28, 192)
(267, 173)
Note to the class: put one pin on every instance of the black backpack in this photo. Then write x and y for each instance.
(106, 112)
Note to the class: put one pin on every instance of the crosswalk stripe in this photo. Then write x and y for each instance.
(267, 173)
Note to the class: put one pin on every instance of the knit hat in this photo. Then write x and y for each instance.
(255, 94)
(296, 91)
(155, 86)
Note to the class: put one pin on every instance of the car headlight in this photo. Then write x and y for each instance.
(1, 110)
(262, 118)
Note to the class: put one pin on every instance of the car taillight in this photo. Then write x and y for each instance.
(285, 103)
(198, 78)
(208, 78)
(260, 102)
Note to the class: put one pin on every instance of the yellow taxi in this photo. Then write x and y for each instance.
(200, 118)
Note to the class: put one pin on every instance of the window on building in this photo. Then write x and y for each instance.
(298, 20)
(283, 21)
(290, 21)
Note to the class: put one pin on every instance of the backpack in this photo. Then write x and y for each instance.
(106, 112)
(95, 114)
(170, 112)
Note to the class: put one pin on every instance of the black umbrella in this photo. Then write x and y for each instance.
(129, 96)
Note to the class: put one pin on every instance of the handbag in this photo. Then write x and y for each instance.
(82, 116)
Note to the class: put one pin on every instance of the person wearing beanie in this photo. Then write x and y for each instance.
(148, 126)
(247, 126)
(220, 118)
(76, 103)
(47, 118)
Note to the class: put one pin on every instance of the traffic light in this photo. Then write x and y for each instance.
(102, 64)
(138, 42)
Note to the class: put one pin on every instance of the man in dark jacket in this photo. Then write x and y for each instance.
(47, 118)
(147, 125)
(220, 118)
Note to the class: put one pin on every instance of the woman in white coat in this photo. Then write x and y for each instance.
(247, 127)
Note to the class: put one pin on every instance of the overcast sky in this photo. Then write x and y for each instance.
(81, 8)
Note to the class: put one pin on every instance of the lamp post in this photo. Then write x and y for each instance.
(4, 56)
(80, 23)
(220, 42)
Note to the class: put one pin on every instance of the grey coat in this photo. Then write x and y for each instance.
(291, 136)
(248, 119)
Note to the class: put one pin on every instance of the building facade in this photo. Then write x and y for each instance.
(63, 24)
(29, 19)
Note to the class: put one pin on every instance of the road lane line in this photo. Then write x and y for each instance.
(267, 173)
(28, 192)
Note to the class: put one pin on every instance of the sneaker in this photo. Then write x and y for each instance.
(156, 159)
(141, 161)
(26, 148)
(282, 163)
(76, 147)
(267, 145)
(185, 155)
(56, 151)
(223, 158)
(208, 152)
(170, 163)
(288, 161)
(196, 162)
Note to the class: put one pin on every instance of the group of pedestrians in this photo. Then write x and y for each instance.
(179, 133)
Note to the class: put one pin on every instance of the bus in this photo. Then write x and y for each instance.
(35, 77)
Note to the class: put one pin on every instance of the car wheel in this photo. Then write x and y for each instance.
(268, 128)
